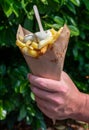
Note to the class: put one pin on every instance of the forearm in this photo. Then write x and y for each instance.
(82, 112)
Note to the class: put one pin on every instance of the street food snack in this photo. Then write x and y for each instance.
(45, 57)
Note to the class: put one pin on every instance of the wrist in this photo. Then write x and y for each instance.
(81, 112)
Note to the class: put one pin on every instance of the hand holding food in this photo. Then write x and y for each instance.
(60, 99)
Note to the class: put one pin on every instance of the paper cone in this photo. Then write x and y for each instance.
(50, 64)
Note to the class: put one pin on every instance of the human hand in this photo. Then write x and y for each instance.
(57, 99)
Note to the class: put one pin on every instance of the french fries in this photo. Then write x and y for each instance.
(36, 47)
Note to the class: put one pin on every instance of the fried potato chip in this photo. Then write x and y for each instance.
(34, 45)
(44, 49)
(20, 44)
(24, 50)
(28, 43)
(33, 53)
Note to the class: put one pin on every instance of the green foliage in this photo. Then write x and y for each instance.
(15, 93)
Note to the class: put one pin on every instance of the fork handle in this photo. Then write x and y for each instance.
(38, 18)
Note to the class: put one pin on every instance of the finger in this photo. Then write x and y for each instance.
(45, 108)
(42, 94)
(46, 112)
(44, 102)
(48, 106)
(49, 111)
(45, 84)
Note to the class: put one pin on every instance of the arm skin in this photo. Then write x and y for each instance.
(60, 99)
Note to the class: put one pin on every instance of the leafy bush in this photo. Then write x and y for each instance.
(16, 100)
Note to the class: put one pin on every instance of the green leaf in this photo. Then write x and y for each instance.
(8, 11)
(76, 2)
(71, 20)
(31, 110)
(7, 7)
(56, 1)
(17, 86)
(3, 113)
(43, 125)
(74, 30)
(44, 2)
(58, 20)
(29, 119)
(32, 96)
(71, 7)
(22, 113)
(56, 26)
(1, 28)
(24, 4)
(23, 87)
(86, 2)
(15, 10)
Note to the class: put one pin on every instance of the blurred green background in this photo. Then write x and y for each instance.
(16, 100)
